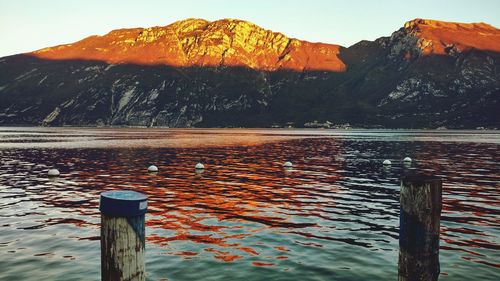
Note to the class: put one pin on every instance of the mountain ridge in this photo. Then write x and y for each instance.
(418, 77)
(422, 28)
(197, 42)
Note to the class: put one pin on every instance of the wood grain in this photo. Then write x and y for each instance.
(122, 248)
(420, 214)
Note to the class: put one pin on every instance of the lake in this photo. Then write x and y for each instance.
(334, 216)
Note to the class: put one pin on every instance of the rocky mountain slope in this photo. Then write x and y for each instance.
(197, 42)
(234, 73)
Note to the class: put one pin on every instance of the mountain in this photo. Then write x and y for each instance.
(197, 42)
(430, 74)
(233, 73)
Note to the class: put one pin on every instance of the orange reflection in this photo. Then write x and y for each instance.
(336, 193)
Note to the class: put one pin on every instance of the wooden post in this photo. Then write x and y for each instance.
(419, 220)
(122, 235)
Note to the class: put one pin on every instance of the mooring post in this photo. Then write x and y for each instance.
(419, 221)
(122, 235)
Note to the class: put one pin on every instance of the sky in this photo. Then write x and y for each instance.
(27, 25)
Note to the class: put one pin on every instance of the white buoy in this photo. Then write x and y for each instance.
(53, 173)
(387, 162)
(288, 164)
(199, 166)
(152, 169)
(407, 159)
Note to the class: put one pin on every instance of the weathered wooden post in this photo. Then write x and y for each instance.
(122, 235)
(419, 220)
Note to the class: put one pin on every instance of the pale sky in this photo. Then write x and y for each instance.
(27, 25)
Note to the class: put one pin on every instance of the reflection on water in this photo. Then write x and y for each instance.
(334, 216)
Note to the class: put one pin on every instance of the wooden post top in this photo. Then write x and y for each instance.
(123, 203)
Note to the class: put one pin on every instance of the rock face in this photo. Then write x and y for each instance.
(197, 42)
(234, 73)
(437, 74)
(440, 38)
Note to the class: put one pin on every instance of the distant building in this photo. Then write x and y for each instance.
(343, 126)
(316, 124)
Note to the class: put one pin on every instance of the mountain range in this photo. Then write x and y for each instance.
(233, 73)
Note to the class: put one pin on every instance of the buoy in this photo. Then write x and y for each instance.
(288, 164)
(407, 159)
(199, 166)
(53, 173)
(387, 162)
(152, 169)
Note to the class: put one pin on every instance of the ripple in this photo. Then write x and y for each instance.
(335, 214)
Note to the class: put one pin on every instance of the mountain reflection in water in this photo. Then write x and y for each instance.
(334, 216)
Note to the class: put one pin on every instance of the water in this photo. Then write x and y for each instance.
(333, 217)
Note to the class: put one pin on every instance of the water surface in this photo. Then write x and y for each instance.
(333, 217)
